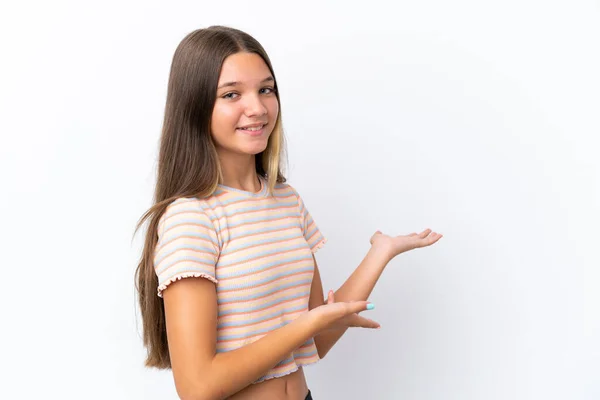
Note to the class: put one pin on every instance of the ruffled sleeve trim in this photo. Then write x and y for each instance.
(184, 275)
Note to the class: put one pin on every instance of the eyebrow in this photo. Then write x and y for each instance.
(269, 79)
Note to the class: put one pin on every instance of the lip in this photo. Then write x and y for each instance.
(253, 133)
(254, 125)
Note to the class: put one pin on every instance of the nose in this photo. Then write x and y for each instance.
(254, 107)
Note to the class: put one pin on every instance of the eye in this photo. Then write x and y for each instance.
(228, 95)
(269, 90)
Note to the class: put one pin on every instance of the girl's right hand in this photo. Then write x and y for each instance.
(332, 315)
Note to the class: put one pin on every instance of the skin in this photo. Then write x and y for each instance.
(252, 100)
(190, 304)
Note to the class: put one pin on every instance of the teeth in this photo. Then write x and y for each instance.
(258, 128)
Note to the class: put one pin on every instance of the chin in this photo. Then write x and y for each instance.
(256, 150)
(251, 150)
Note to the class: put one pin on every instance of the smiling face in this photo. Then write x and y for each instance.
(246, 107)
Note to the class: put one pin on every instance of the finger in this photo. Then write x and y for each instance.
(354, 307)
(363, 322)
(431, 239)
(424, 234)
(330, 297)
(434, 237)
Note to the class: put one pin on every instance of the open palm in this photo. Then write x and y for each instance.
(394, 245)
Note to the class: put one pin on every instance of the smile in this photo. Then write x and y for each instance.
(255, 131)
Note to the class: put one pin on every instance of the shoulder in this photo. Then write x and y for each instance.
(286, 189)
(185, 210)
(182, 205)
(288, 194)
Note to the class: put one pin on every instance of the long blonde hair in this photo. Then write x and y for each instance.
(188, 165)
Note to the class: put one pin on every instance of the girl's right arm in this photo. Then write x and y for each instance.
(200, 373)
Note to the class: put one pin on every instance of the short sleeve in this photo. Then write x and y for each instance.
(187, 245)
(312, 234)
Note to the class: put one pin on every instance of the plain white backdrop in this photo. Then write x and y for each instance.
(478, 120)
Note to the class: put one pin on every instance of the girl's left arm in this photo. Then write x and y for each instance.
(357, 287)
(362, 281)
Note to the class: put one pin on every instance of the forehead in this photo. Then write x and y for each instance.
(245, 68)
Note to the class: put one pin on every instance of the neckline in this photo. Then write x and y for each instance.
(260, 193)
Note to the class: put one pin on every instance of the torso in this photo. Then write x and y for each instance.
(288, 387)
(264, 267)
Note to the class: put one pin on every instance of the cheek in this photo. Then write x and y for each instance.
(273, 108)
(223, 119)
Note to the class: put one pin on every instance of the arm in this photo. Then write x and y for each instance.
(357, 287)
(191, 317)
(362, 281)
(188, 246)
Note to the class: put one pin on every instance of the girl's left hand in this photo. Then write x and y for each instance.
(394, 245)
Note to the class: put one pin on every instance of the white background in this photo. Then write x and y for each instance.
(479, 120)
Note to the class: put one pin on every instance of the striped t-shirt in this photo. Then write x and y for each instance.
(257, 249)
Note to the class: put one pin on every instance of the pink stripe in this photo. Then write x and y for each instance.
(258, 233)
(245, 338)
(263, 296)
(262, 270)
(229, 328)
(260, 222)
(257, 258)
(239, 214)
(183, 261)
(256, 245)
(270, 307)
(185, 237)
(270, 282)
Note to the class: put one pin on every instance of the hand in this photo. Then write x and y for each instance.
(391, 246)
(332, 315)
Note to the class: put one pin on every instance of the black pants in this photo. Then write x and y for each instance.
(308, 396)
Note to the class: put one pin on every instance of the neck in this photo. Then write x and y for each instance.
(239, 172)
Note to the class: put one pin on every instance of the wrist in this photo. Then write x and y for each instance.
(381, 253)
(312, 322)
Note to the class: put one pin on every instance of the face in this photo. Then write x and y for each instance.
(246, 107)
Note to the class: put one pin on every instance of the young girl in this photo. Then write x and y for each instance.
(229, 289)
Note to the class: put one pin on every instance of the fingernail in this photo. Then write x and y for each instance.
(370, 306)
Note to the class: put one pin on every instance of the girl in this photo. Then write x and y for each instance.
(229, 289)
